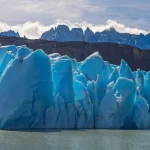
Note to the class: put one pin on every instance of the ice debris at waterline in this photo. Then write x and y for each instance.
(54, 91)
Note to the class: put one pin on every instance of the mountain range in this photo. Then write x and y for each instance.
(9, 33)
(62, 33)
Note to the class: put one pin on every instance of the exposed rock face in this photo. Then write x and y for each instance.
(10, 33)
(87, 34)
(76, 34)
(136, 58)
(109, 35)
(62, 33)
(49, 35)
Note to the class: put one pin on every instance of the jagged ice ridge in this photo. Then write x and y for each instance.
(57, 92)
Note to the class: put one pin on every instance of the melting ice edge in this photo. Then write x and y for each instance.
(57, 92)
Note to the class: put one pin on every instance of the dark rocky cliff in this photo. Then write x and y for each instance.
(111, 52)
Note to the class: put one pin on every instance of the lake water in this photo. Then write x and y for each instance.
(76, 140)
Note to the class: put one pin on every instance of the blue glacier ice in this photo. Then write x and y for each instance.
(96, 63)
(4, 49)
(125, 92)
(107, 109)
(27, 90)
(6, 59)
(57, 92)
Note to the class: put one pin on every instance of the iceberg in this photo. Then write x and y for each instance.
(57, 92)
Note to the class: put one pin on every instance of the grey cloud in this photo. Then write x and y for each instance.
(132, 13)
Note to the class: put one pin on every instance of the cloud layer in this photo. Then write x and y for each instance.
(34, 30)
(134, 14)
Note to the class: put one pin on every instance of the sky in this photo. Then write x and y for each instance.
(33, 17)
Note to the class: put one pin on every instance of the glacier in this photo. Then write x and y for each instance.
(40, 91)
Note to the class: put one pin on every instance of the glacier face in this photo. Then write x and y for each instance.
(63, 33)
(57, 92)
